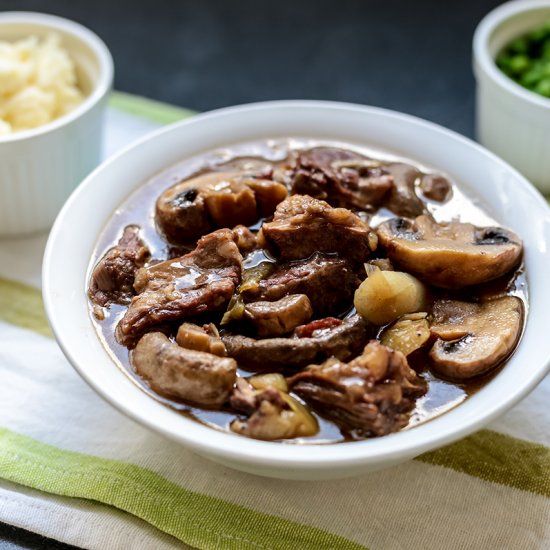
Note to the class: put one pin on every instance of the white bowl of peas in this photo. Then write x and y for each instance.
(512, 68)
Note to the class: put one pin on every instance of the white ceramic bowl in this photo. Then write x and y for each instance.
(512, 200)
(512, 121)
(39, 168)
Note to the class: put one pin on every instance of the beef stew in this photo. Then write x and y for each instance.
(306, 291)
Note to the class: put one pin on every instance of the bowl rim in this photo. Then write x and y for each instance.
(486, 62)
(219, 444)
(100, 88)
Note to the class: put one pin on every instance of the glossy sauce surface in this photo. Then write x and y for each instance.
(138, 209)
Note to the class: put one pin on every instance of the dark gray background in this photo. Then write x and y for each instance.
(203, 54)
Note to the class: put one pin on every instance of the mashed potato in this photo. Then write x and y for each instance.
(37, 83)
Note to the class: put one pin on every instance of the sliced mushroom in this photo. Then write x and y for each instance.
(403, 200)
(230, 202)
(193, 207)
(474, 338)
(451, 255)
(436, 188)
(191, 336)
(268, 194)
(194, 376)
(280, 317)
(180, 212)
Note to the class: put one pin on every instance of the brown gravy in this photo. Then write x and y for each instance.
(138, 209)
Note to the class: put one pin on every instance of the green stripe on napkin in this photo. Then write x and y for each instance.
(191, 517)
(21, 305)
(155, 111)
(498, 458)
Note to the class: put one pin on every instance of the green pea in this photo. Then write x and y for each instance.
(530, 78)
(519, 45)
(503, 63)
(538, 35)
(543, 87)
(519, 64)
(502, 59)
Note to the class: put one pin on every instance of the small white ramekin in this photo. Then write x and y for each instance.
(39, 168)
(512, 121)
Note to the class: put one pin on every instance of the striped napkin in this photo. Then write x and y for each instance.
(74, 469)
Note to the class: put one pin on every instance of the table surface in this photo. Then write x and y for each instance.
(413, 57)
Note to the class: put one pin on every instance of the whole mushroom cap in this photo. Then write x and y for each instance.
(450, 255)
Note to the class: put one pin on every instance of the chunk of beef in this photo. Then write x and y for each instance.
(340, 177)
(245, 239)
(372, 395)
(343, 341)
(302, 226)
(279, 317)
(197, 377)
(113, 277)
(206, 339)
(327, 281)
(201, 281)
(402, 199)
